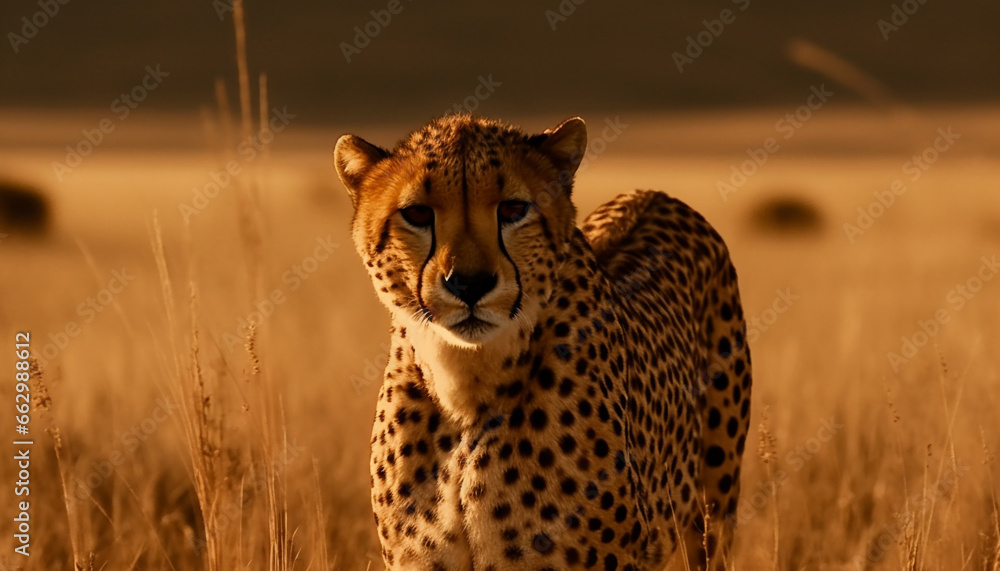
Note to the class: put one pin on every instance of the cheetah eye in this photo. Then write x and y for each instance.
(419, 215)
(511, 211)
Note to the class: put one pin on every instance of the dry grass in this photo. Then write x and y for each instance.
(177, 441)
(228, 479)
(173, 431)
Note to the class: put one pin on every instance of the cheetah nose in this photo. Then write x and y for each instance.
(470, 288)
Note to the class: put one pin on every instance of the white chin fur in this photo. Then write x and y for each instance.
(463, 341)
(434, 333)
(429, 333)
(451, 361)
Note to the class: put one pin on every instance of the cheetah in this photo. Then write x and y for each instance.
(556, 397)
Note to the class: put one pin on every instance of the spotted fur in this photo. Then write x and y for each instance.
(588, 406)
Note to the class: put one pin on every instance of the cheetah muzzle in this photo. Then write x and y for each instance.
(556, 397)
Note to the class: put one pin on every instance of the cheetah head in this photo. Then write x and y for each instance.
(462, 225)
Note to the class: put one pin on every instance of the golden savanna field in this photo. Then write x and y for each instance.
(207, 349)
(173, 436)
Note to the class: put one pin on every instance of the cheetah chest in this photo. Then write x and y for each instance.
(542, 476)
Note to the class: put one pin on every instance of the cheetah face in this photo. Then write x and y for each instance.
(462, 224)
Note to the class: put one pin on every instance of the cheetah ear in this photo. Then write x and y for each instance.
(565, 145)
(354, 157)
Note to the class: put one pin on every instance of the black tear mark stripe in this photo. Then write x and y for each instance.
(545, 228)
(516, 307)
(383, 239)
(420, 276)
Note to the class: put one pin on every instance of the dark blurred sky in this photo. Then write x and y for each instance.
(606, 56)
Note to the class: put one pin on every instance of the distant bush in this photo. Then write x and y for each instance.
(786, 215)
(23, 209)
